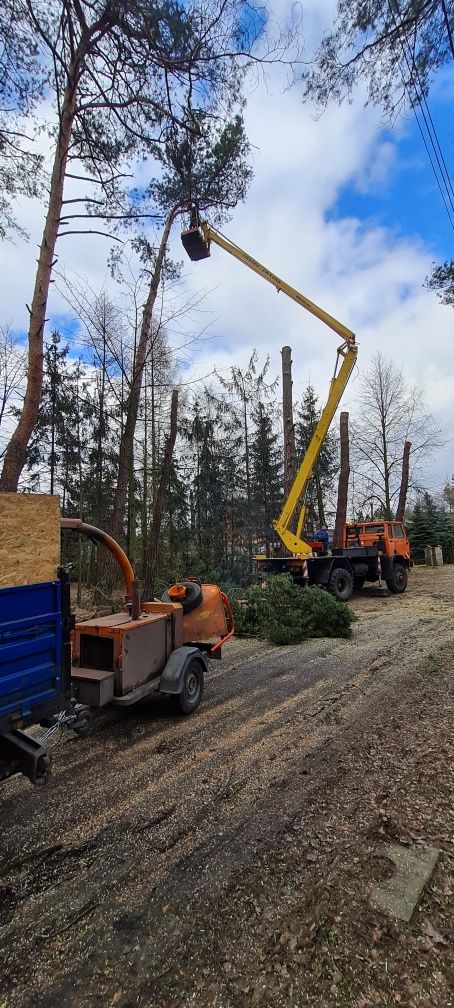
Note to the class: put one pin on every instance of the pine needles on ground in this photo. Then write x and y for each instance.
(285, 613)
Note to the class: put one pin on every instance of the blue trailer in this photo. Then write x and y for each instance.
(35, 671)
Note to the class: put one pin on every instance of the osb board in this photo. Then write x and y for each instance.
(29, 538)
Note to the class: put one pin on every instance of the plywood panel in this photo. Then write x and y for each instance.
(29, 538)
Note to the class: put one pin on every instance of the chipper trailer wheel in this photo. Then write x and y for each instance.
(192, 689)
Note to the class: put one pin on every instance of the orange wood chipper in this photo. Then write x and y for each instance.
(150, 647)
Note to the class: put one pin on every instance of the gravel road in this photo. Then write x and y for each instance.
(168, 860)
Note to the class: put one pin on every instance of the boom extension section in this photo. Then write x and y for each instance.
(197, 241)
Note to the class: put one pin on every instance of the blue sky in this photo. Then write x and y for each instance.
(408, 199)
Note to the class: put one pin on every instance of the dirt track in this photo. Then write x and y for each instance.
(226, 859)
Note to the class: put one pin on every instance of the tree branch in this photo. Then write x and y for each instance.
(105, 234)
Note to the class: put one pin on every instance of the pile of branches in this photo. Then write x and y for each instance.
(284, 613)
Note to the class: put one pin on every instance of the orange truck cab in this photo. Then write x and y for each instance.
(378, 549)
(391, 536)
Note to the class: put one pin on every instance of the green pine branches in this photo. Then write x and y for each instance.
(284, 613)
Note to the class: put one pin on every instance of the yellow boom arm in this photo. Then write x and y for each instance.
(197, 242)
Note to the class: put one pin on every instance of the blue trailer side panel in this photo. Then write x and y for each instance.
(30, 649)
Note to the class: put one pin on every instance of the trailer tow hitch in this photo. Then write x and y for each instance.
(78, 720)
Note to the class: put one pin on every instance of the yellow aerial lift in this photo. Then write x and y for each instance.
(355, 563)
(197, 243)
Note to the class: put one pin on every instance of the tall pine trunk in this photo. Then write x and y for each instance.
(127, 438)
(16, 451)
(344, 475)
(159, 503)
(404, 482)
(287, 415)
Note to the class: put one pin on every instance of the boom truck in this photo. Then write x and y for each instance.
(148, 648)
(371, 551)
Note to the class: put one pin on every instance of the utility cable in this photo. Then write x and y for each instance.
(445, 185)
(448, 181)
(449, 207)
(432, 132)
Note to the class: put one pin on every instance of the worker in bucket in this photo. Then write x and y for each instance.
(322, 535)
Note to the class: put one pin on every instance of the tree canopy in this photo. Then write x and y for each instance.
(428, 523)
(392, 413)
(441, 280)
(120, 77)
(396, 46)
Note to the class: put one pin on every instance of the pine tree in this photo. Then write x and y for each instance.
(208, 497)
(53, 452)
(266, 463)
(119, 77)
(427, 523)
(244, 389)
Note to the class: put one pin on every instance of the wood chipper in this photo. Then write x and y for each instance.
(150, 647)
(147, 648)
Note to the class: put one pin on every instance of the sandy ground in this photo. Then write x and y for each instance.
(227, 859)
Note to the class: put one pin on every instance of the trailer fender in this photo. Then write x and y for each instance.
(172, 675)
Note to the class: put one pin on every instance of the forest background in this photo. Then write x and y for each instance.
(326, 214)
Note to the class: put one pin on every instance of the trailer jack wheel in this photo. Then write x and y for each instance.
(82, 722)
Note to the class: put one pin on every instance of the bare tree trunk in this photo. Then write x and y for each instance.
(342, 490)
(158, 508)
(287, 413)
(144, 505)
(127, 438)
(16, 451)
(404, 482)
(248, 483)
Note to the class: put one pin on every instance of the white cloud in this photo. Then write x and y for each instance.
(368, 276)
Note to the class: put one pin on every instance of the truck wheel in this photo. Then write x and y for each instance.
(358, 583)
(340, 584)
(191, 694)
(191, 600)
(399, 580)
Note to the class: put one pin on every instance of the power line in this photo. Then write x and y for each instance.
(442, 176)
(449, 184)
(448, 205)
(435, 143)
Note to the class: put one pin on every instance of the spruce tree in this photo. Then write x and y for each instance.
(244, 389)
(427, 523)
(266, 460)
